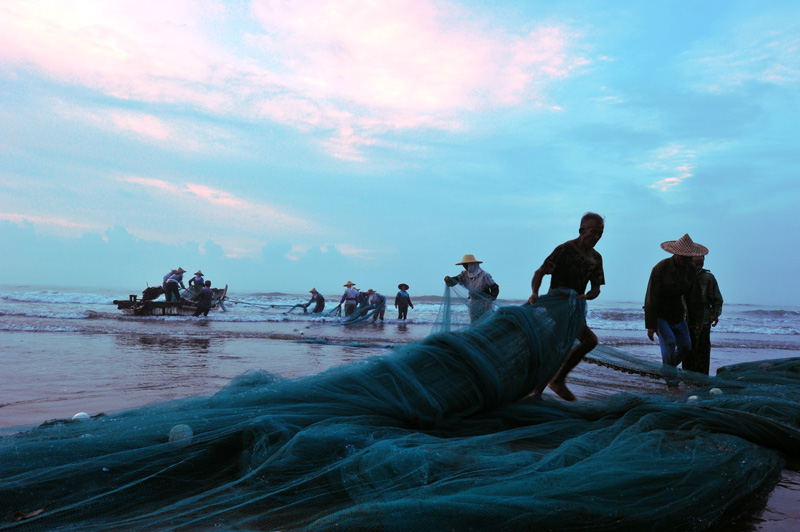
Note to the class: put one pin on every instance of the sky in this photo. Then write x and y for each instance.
(280, 146)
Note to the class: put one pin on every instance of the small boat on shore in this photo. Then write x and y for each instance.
(148, 306)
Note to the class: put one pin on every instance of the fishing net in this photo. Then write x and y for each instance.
(435, 435)
(461, 307)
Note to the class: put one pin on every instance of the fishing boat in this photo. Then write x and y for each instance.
(148, 306)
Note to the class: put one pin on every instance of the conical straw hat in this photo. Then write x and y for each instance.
(349, 283)
(467, 259)
(685, 247)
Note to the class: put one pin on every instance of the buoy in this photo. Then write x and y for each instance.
(181, 435)
(691, 398)
(81, 416)
(715, 391)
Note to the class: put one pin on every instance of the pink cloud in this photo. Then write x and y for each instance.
(410, 54)
(44, 220)
(143, 50)
(158, 184)
(228, 209)
(218, 197)
(357, 69)
(144, 125)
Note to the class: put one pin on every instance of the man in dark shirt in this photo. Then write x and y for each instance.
(699, 359)
(573, 265)
(673, 281)
(204, 300)
(317, 299)
(402, 301)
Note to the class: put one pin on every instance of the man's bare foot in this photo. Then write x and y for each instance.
(562, 391)
(537, 393)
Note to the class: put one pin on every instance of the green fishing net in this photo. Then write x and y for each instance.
(435, 435)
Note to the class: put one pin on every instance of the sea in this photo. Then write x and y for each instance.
(70, 350)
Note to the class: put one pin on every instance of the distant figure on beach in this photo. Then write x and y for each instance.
(673, 281)
(482, 288)
(574, 264)
(204, 301)
(349, 298)
(699, 359)
(379, 300)
(402, 301)
(172, 283)
(317, 299)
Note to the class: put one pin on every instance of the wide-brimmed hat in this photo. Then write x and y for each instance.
(180, 270)
(349, 283)
(685, 247)
(468, 259)
(402, 286)
(313, 291)
(370, 291)
(199, 272)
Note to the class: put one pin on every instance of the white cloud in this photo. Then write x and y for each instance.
(763, 48)
(353, 250)
(673, 163)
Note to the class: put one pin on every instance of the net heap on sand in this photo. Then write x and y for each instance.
(435, 435)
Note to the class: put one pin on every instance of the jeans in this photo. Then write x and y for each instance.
(676, 343)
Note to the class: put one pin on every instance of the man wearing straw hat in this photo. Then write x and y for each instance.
(172, 283)
(482, 288)
(673, 281)
(317, 299)
(198, 280)
(349, 298)
(402, 301)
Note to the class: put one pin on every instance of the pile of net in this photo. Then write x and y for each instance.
(436, 435)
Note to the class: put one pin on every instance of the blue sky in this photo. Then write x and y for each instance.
(280, 146)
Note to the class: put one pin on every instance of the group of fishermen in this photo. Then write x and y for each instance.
(357, 303)
(682, 303)
(679, 287)
(200, 289)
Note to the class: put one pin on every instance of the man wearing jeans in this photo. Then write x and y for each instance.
(673, 281)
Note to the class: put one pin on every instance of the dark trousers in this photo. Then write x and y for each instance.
(699, 359)
(200, 310)
(173, 294)
(403, 312)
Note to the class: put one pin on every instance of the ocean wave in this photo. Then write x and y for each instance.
(772, 313)
(7, 327)
(63, 315)
(56, 297)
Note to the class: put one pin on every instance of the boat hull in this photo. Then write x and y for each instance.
(148, 307)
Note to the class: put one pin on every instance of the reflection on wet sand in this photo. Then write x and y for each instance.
(164, 342)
